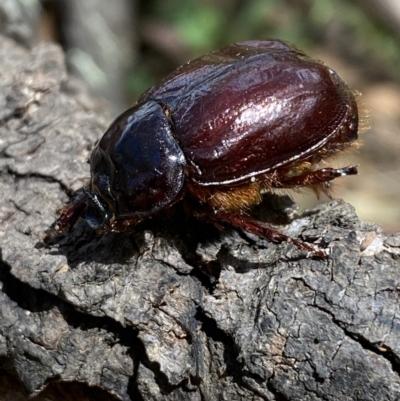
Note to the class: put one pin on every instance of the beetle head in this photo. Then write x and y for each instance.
(97, 213)
(137, 168)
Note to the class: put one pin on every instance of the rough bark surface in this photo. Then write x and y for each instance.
(175, 310)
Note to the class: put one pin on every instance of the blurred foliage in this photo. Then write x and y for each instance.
(174, 31)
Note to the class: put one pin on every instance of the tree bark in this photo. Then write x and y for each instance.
(174, 310)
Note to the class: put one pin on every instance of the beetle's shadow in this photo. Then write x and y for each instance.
(84, 245)
(275, 209)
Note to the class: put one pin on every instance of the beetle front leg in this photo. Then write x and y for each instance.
(69, 213)
(68, 216)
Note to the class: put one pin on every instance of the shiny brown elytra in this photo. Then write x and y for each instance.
(217, 133)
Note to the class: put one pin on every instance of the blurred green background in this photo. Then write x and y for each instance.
(121, 48)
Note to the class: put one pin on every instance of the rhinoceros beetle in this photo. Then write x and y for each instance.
(216, 134)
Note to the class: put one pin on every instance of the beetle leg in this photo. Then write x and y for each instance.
(121, 225)
(317, 177)
(70, 213)
(246, 223)
(318, 180)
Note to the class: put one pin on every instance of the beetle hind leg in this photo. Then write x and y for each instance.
(318, 180)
